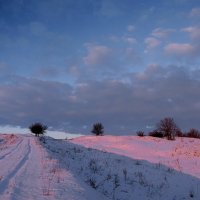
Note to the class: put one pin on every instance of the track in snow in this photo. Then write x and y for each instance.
(7, 180)
(11, 150)
(29, 172)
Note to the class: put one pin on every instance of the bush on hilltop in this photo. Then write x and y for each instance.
(38, 129)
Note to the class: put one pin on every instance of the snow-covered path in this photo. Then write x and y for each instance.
(60, 170)
(28, 172)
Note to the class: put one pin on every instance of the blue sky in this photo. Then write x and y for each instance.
(126, 63)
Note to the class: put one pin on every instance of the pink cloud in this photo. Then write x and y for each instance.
(178, 49)
(97, 54)
(152, 42)
(194, 32)
(130, 28)
(162, 33)
(195, 12)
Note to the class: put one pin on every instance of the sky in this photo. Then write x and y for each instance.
(72, 63)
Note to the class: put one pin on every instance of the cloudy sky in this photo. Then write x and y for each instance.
(127, 64)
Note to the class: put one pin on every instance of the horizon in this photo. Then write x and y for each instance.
(127, 64)
(57, 134)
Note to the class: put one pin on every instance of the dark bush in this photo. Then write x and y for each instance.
(179, 133)
(140, 133)
(38, 129)
(156, 133)
(193, 133)
(97, 129)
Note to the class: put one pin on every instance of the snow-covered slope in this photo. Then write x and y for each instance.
(121, 177)
(183, 154)
(61, 170)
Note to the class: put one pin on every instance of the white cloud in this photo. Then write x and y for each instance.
(129, 40)
(152, 42)
(97, 54)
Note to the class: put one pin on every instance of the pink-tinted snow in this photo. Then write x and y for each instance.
(183, 154)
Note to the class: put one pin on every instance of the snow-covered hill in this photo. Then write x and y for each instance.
(183, 154)
(121, 168)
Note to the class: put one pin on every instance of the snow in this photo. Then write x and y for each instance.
(100, 168)
(29, 172)
(183, 154)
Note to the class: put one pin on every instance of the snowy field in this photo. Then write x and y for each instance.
(119, 168)
(183, 154)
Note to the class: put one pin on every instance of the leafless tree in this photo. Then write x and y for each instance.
(168, 127)
(193, 133)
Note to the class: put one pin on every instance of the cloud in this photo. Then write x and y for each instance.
(147, 97)
(195, 12)
(131, 28)
(129, 40)
(97, 54)
(152, 42)
(24, 101)
(194, 32)
(132, 55)
(74, 70)
(181, 49)
(102, 62)
(162, 33)
(49, 72)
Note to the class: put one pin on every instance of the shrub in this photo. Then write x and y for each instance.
(140, 133)
(179, 133)
(156, 133)
(193, 133)
(38, 129)
(93, 183)
(97, 129)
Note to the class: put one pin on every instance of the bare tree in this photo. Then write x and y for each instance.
(98, 129)
(168, 127)
(193, 133)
